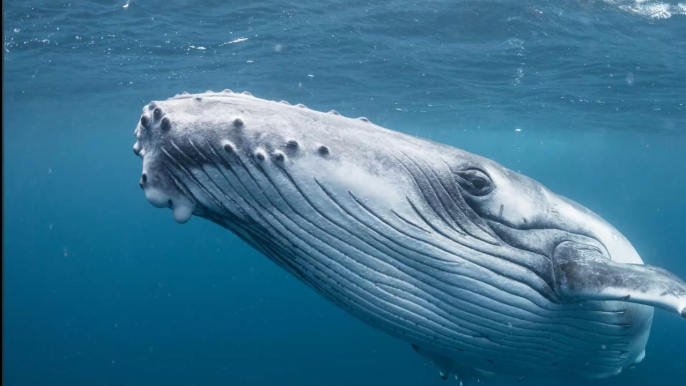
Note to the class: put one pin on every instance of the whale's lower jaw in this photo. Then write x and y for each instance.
(443, 249)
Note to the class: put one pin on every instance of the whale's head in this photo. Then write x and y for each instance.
(321, 194)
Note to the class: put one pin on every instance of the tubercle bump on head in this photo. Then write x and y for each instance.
(160, 119)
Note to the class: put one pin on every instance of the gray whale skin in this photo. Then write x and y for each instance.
(480, 269)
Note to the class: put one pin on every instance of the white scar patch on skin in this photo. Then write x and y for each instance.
(348, 176)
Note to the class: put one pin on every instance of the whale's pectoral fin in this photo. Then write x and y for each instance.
(583, 273)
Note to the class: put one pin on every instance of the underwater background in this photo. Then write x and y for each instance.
(100, 288)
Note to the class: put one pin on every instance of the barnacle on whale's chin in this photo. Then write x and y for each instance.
(183, 208)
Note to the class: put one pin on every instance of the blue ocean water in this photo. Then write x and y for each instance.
(100, 288)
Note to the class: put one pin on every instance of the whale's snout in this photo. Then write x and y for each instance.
(208, 154)
(162, 189)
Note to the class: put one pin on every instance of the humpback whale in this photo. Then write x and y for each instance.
(480, 269)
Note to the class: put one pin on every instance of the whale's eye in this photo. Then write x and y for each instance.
(475, 182)
(479, 183)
